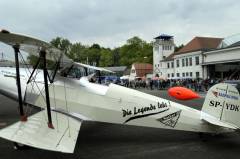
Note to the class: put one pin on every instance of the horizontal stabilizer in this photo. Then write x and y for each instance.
(214, 121)
(35, 132)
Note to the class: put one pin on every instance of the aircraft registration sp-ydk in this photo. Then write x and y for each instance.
(67, 98)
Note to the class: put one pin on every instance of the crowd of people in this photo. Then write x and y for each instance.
(194, 84)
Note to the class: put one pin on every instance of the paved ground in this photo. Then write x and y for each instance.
(102, 141)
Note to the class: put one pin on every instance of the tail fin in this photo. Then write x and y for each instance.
(222, 103)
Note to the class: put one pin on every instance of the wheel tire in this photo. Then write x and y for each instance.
(18, 146)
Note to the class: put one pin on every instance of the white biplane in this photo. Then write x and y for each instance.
(67, 99)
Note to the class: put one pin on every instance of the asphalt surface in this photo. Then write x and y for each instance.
(103, 141)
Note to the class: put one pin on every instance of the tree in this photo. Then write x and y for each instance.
(94, 54)
(62, 44)
(177, 48)
(78, 52)
(116, 56)
(106, 58)
(136, 50)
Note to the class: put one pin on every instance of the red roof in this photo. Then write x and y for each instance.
(200, 43)
(143, 68)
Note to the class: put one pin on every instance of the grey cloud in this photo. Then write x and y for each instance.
(111, 23)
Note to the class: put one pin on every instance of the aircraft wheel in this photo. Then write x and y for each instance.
(18, 146)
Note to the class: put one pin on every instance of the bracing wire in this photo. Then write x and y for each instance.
(66, 104)
(33, 81)
(55, 105)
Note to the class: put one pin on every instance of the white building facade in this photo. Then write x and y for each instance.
(189, 65)
(197, 59)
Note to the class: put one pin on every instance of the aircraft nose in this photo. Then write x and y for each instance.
(182, 93)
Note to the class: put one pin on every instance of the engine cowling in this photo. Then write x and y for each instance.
(182, 93)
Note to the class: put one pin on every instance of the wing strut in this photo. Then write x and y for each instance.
(20, 100)
(45, 74)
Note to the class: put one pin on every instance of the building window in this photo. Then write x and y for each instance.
(158, 65)
(197, 74)
(177, 63)
(168, 75)
(156, 48)
(190, 61)
(178, 75)
(197, 60)
(190, 74)
(186, 61)
(168, 65)
(186, 74)
(172, 64)
(183, 74)
(172, 74)
(183, 63)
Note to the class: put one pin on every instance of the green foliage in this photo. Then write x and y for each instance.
(78, 52)
(106, 58)
(177, 48)
(62, 44)
(135, 50)
(94, 54)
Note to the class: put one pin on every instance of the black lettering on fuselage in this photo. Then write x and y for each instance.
(232, 107)
(217, 103)
(211, 103)
(214, 103)
(126, 112)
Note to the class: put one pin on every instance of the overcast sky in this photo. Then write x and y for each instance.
(111, 22)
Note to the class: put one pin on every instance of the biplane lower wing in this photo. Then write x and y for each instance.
(35, 132)
(93, 67)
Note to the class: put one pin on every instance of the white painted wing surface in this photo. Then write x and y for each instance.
(33, 46)
(35, 132)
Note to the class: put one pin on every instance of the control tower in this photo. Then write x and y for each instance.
(163, 46)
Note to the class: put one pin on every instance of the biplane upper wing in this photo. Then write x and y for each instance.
(33, 46)
(36, 133)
